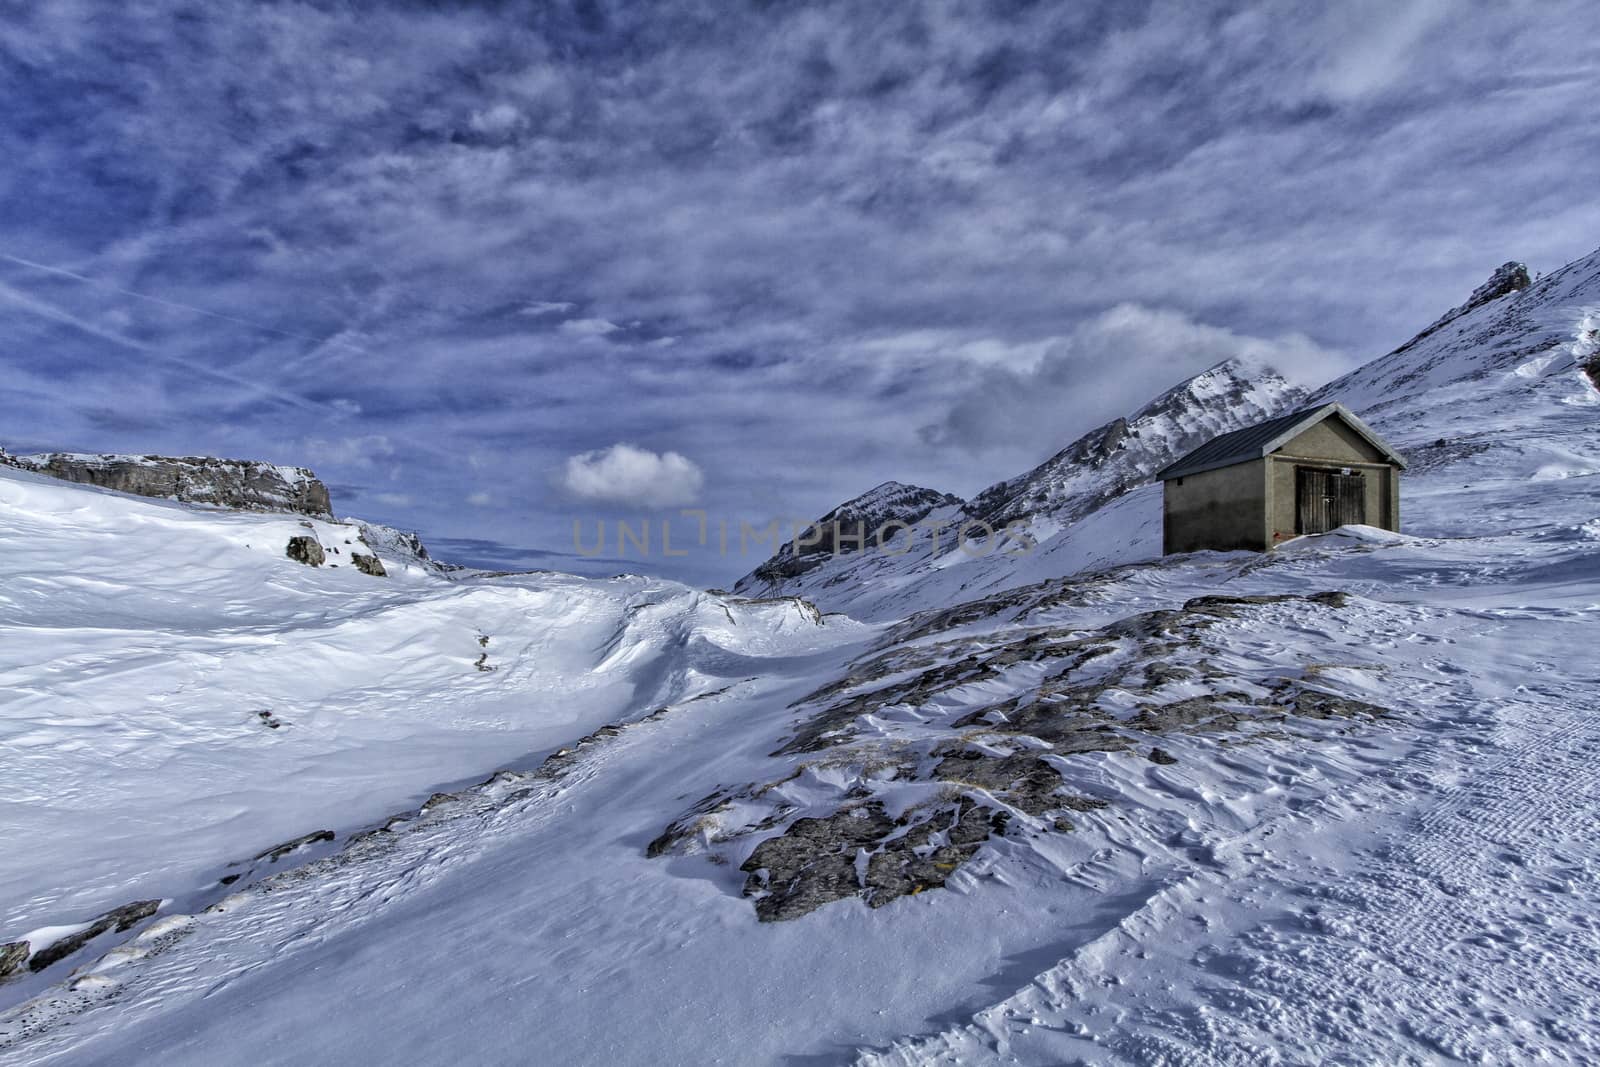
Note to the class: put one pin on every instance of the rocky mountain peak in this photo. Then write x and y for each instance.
(1508, 277)
(889, 502)
(893, 500)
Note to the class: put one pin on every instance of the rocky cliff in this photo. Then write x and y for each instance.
(246, 485)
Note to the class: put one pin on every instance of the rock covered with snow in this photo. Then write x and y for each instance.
(404, 545)
(243, 485)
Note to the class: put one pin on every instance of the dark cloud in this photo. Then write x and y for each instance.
(808, 247)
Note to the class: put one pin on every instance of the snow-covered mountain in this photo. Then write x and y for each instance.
(1126, 452)
(879, 507)
(920, 568)
(1088, 805)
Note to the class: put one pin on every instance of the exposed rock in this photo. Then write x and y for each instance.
(929, 853)
(12, 956)
(1196, 714)
(813, 862)
(1508, 277)
(1011, 757)
(244, 485)
(818, 861)
(697, 820)
(1227, 607)
(1592, 369)
(277, 852)
(1315, 704)
(306, 550)
(123, 919)
(1026, 782)
(368, 565)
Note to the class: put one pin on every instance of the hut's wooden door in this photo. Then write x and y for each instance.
(1326, 500)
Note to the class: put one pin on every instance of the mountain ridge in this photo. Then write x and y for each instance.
(1085, 476)
(239, 484)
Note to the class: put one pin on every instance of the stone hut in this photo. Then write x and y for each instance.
(1310, 471)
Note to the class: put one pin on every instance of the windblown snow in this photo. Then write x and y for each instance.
(1331, 804)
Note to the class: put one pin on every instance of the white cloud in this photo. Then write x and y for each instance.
(1373, 43)
(547, 307)
(625, 474)
(501, 118)
(393, 500)
(1149, 334)
(589, 327)
(362, 451)
(480, 500)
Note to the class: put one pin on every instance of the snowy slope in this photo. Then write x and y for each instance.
(931, 566)
(178, 694)
(1207, 808)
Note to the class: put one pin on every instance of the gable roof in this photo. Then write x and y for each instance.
(1264, 438)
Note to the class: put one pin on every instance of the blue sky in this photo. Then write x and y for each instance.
(452, 256)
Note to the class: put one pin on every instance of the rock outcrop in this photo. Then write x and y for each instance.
(368, 565)
(12, 956)
(122, 919)
(307, 550)
(244, 485)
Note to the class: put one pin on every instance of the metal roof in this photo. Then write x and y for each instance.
(1264, 438)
